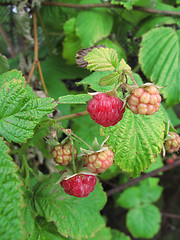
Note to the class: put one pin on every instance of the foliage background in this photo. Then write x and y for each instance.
(146, 34)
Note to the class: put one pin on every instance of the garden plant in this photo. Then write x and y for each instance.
(89, 119)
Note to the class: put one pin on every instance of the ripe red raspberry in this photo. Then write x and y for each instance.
(79, 185)
(100, 161)
(62, 154)
(105, 110)
(145, 101)
(173, 144)
(169, 161)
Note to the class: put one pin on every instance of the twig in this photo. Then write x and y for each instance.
(145, 176)
(104, 5)
(109, 5)
(70, 116)
(11, 49)
(169, 215)
(36, 60)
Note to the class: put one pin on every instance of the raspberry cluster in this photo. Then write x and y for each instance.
(145, 101)
(79, 185)
(99, 162)
(173, 144)
(105, 110)
(62, 154)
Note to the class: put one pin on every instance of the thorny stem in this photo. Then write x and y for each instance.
(82, 141)
(133, 79)
(109, 5)
(145, 176)
(36, 61)
(73, 162)
(70, 116)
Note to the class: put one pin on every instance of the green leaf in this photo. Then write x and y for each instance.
(71, 43)
(20, 113)
(11, 75)
(123, 66)
(103, 234)
(68, 212)
(159, 58)
(52, 15)
(93, 80)
(74, 99)
(92, 26)
(136, 140)
(115, 45)
(28, 212)
(102, 59)
(45, 231)
(4, 65)
(143, 221)
(128, 4)
(155, 165)
(150, 190)
(109, 79)
(154, 22)
(11, 199)
(131, 197)
(117, 235)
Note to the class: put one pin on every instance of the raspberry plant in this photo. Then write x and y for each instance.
(106, 75)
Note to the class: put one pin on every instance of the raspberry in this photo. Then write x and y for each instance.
(173, 144)
(145, 101)
(62, 154)
(100, 161)
(169, 161)
(105, 110)
(79, 185)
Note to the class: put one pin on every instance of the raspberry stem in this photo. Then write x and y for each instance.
(82, 141)
(133, 79)
(70, 116)
(73, 160)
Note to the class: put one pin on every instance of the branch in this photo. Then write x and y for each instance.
(169, 215)
(74, 115)
(145, 176)
(11, 49)
(36, 60)
(109, 5)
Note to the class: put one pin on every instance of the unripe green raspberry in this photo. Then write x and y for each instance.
(100, 161)
(173, 144)
(62, 154)
(145, 101)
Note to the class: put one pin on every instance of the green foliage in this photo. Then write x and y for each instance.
(93, 80)
(117, 235)
(71, 43)
(74, 99)
(11, 198)
(20, 113)
(4, 66)
(159, 61)
(115, 45)
(98, 24)
(65, 211)
(143, 218)
(102, 59)
(143, 221)
(136, 140)
(40, 209)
